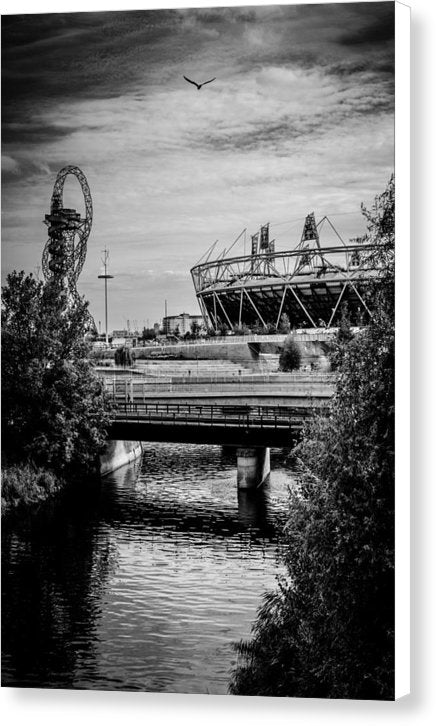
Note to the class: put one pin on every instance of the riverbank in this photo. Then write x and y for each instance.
(25, 485)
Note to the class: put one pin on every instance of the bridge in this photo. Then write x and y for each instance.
(249, 412)
(227, 425)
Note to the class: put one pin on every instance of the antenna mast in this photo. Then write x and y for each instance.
(105, 277)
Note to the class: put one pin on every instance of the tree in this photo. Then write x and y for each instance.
(285, 325)
(343, 336)
(148, 334)
(241, 329)
(290, 356)
(54, 409)
(328, 631)
(124, 356)
(195, 329)
(258, 328)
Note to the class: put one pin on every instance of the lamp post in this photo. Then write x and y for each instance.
(105, 277)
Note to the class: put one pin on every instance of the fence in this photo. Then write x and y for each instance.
(263, 417)
(132, 388)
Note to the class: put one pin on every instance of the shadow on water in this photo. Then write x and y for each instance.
(139, 581)
(196, 500)
(253, 509)
(52, 574)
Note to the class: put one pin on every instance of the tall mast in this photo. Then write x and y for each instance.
(105, 277)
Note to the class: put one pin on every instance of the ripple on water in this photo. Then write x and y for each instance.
(148, 585)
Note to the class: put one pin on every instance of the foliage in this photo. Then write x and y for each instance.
(285, 324)
(328, 631)
(258, 328)
(53, 404)
(242, 329)
(290, 356)
(195, 329)
(27, 484)
(124, 356)
(344, 335)
(271, 329)
(148, 334)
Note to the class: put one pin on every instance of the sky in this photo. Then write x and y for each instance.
(300, 118)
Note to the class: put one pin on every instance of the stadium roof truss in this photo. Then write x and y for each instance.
(310, 283)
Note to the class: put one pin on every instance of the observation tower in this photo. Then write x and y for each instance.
(65, 250)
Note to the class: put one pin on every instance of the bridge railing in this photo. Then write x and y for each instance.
(196, 376)
(191, 377)
(247, 417)
(129, 390)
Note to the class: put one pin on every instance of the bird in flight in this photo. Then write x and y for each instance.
(199, 85)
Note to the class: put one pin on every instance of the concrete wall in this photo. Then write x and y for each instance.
(237, 352)
(249, 354)
(119, 453)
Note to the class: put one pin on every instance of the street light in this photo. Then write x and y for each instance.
(105, 277)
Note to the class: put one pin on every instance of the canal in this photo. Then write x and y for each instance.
(144, 581)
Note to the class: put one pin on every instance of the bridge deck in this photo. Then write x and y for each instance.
(215, 424)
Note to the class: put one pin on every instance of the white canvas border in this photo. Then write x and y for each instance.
(52, 707)
(402, 348)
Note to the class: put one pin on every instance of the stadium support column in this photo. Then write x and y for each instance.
(253, 467)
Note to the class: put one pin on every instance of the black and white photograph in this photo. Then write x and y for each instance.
(198, 350)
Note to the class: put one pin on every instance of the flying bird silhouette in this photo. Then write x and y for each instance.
(199, 85)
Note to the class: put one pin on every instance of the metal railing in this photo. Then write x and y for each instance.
(130, 389)
(246, 417)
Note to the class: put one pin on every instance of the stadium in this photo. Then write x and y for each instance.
(309, 284)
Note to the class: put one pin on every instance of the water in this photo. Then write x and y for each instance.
(142, 583)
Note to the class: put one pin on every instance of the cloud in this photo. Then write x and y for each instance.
(34, 133)
(10, 165)
(378, 29)
(299, 118)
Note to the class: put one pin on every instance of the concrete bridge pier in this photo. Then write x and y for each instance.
(253, 466)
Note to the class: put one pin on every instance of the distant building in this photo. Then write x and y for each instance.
(181, 323)
(118, 342)
(124, 338)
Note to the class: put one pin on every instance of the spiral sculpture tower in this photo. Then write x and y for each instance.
(65, 251)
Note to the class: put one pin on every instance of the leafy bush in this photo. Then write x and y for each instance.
(27, 484)
(284, 325)
(241, 329)
(290, 356)
(124, 356)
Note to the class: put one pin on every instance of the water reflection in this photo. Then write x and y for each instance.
(143, 582)
(53, 573)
